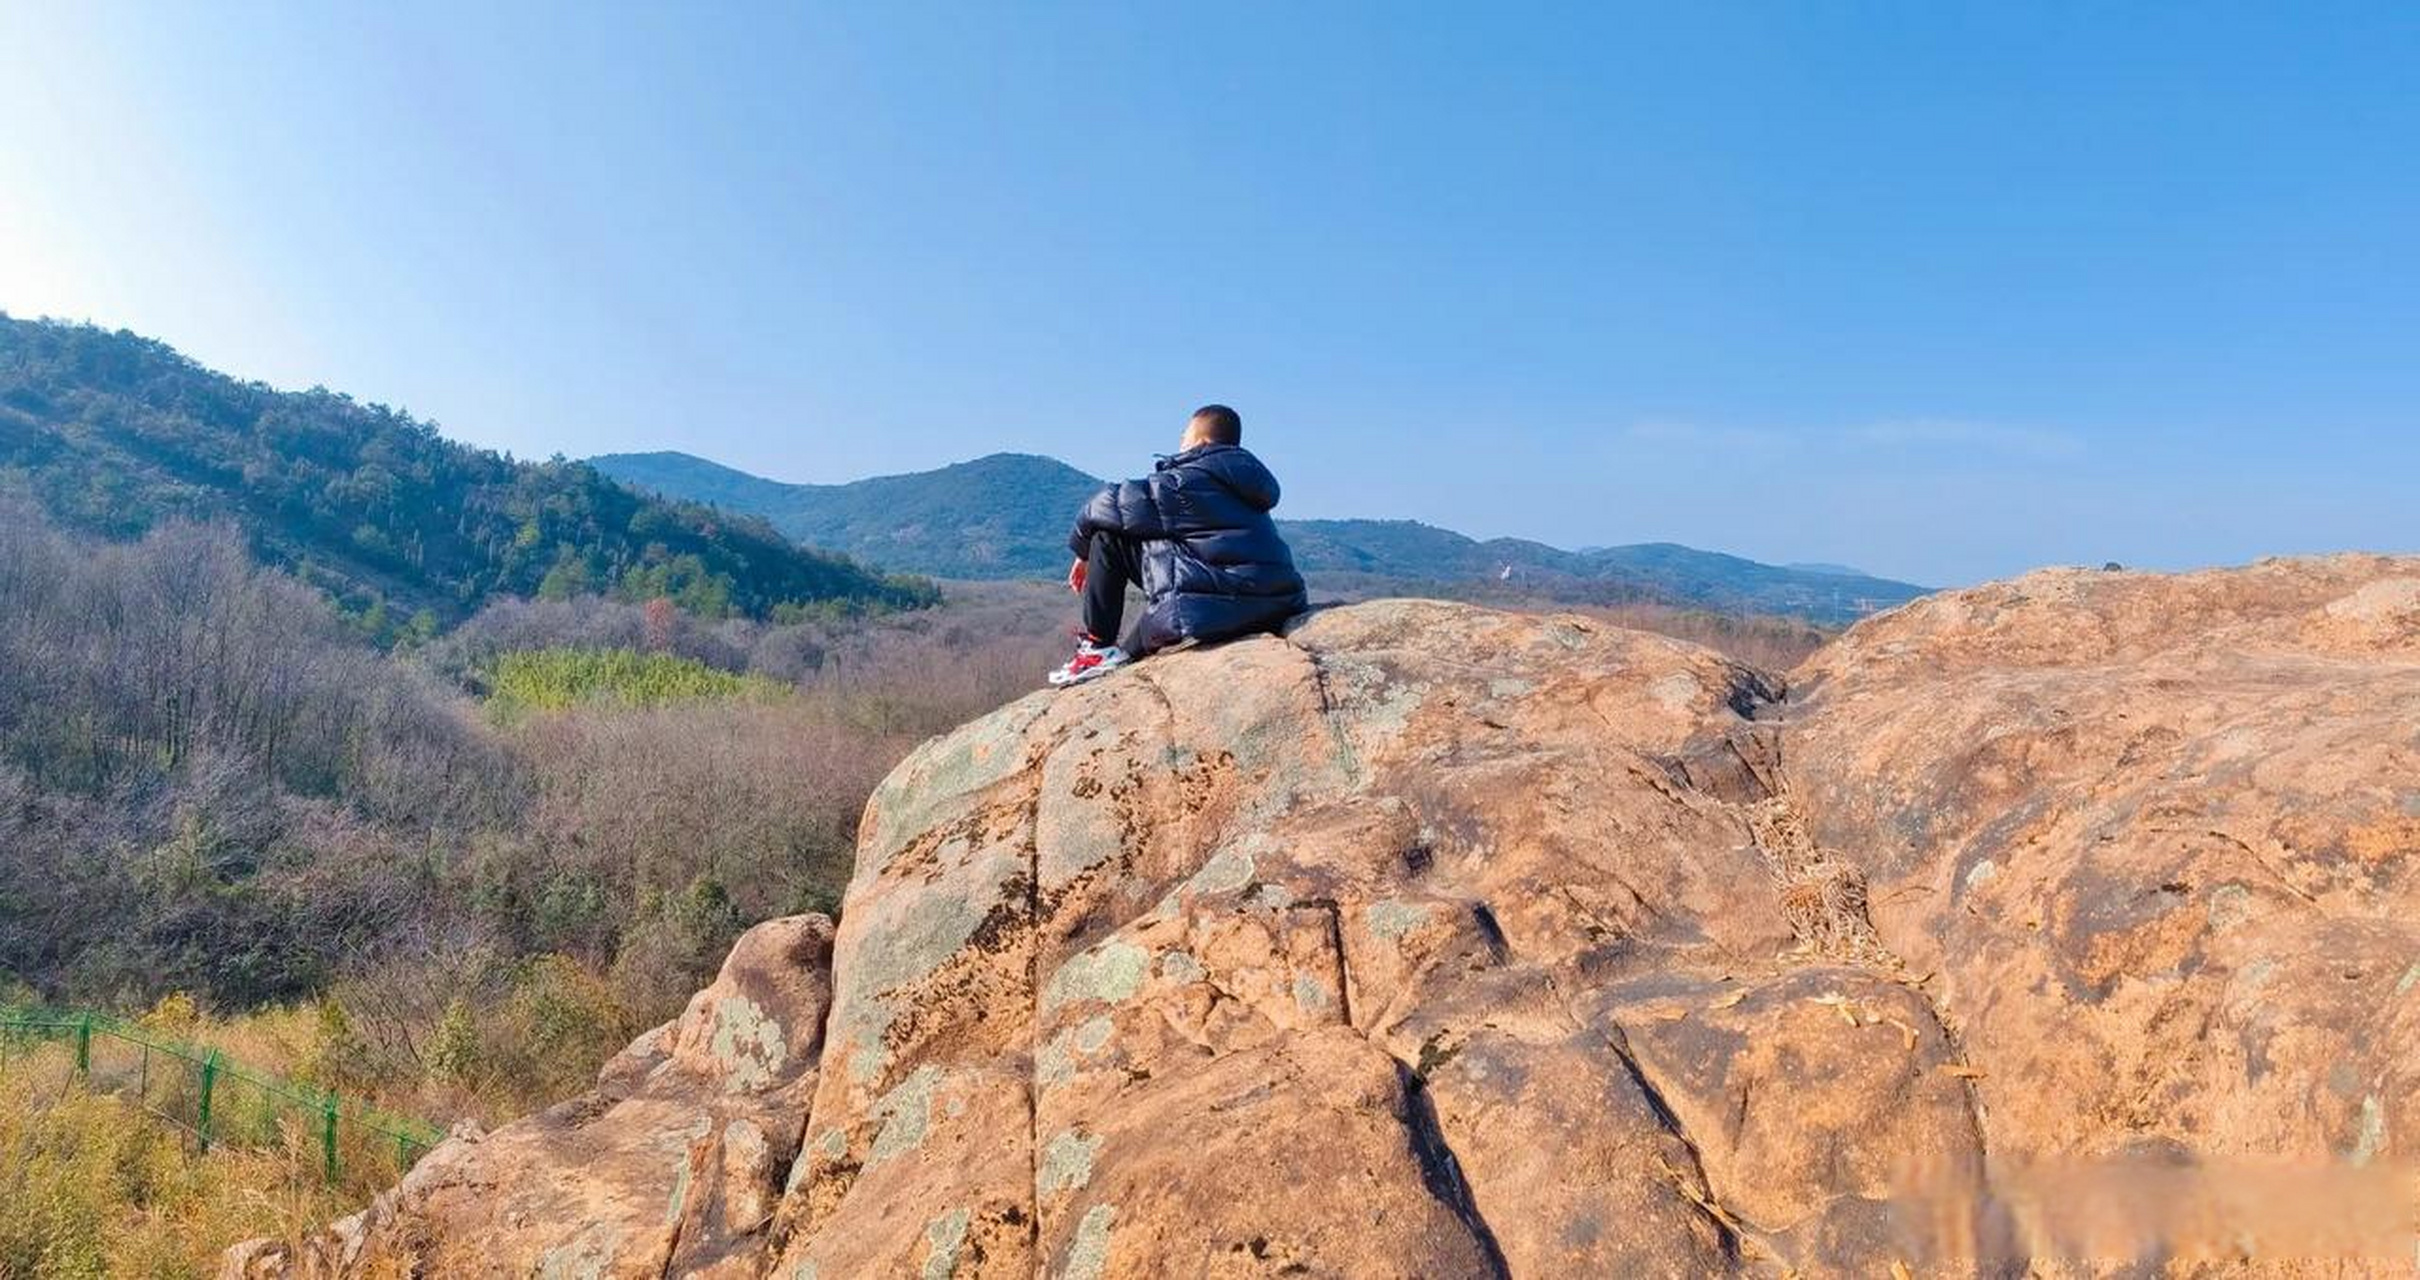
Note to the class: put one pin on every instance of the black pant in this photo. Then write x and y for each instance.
(1111, 561)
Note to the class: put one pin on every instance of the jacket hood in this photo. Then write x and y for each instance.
(1233, 466)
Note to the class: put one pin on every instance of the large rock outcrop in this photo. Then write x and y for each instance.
(1430, 941)
(2158, 840)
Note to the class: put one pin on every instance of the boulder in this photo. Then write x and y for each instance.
(1425, 940)
(2156, 841)
(673, 1165)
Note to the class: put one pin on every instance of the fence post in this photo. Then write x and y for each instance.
(327, 1135)
(209, 1080)
(84, 1045)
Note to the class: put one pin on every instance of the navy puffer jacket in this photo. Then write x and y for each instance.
(1213, 565)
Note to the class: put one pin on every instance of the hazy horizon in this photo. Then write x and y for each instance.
(1942, 294)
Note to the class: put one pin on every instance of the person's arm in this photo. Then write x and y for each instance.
(1128, 507)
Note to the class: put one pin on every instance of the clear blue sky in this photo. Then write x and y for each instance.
(1945, 291)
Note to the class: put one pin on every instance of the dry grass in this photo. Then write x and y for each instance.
(92, 1188)
(1822, 897)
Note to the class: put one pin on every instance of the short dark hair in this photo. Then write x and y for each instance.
(1223, 425)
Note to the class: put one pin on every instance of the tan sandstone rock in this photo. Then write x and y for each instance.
(2160, 839)
(1431, 941)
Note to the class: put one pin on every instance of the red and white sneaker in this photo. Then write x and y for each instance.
(1092, 661)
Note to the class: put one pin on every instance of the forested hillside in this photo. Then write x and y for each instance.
(112, 433)
(211, 782)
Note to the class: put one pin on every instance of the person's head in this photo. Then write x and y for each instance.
(1212, 424)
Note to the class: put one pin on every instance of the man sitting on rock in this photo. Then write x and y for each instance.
(1196, 536)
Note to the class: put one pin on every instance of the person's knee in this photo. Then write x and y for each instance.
(1117, 550)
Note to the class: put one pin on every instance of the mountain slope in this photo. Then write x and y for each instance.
(113, 433)
(1001, 516)
(1007, 516)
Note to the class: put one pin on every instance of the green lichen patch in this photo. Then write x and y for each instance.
(2370, 1138)
(1179, 966)
(1676, 691)
(1391, 919)
(1388, 707)
(1109, 973)
(747, 1044)
(678, 1202)
(943, 1238)
(1066, 1163)
(584, 1256)
(1227, 870)
(1056, 1062)
(1076, 826)
(831, 1147)
(938, 778)
(2230, 905)
(745, 1145)
(1088, 1253)
(908, 935)
(906, 1113)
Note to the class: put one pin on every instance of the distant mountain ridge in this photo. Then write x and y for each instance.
(111, 433)
(1001, 516)
(1007, 516)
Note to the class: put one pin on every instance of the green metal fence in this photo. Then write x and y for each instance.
(212, 1098)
